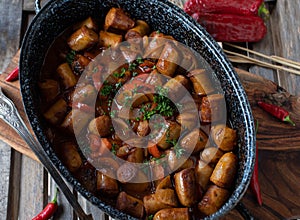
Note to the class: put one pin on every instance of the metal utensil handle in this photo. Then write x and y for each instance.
(11, 116)
(37, 6)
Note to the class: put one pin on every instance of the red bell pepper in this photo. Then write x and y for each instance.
(241, 7)
(231, 27)
(230, 20)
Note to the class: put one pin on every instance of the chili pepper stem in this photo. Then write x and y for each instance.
(289, 120)
(54, 200)
(263, 12)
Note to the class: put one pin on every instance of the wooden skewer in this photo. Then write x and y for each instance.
(273, 66)
(277, 59)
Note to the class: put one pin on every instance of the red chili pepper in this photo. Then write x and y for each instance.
(14, 75)
(231, 27)
(254, 183)
(276, 111)
(49, 210)
(241, 7)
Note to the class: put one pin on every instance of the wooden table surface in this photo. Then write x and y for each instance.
(25, 186)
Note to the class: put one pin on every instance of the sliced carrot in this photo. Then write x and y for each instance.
(153, 150)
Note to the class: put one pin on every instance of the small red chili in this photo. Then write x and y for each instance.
(14, 75)
(276, 111)
(49, 210)
(254, 184)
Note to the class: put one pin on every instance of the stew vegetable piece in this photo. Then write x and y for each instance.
(142, 145)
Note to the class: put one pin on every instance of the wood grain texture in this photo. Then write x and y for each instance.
(9, 38)
(14, 185)
(33, 188)
(5, 177)
(273, 134)
(279, 177)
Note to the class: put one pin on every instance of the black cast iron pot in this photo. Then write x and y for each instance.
(58, 15)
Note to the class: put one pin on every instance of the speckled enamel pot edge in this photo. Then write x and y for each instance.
(223, 68)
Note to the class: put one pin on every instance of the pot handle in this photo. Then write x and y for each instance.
(37, 6)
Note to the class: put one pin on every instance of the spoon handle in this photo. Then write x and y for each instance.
(10, 115)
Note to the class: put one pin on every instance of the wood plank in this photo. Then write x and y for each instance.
(14, 185)
(33, 190)
(285, 23)
(9, 37)
(5, 178)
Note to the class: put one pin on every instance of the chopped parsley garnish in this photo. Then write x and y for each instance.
(139, 60)
(113, 113)
(132, 66)
(106, 90)
(120, 74)
(165, 106)
(113, 148)
(70, 57)
(179, 151)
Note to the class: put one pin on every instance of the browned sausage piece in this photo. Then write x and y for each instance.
(101, 125)
(171, 133)
(168, 60)
(224, 137)
(116, 18)
(167, 196)
(56, 112)
(194, 141)
(177, 87)
(137, 188)
(213, 108)
(49, 89)
(130, 205)
(211, 155)
(152, 205)
(186, 187)
(71, 158)
(202, 82)
(67, 76)
(140, 29)
(126, 173)
(165, 183)
(82, 39)
(82, 120)
(187, 119)
(108, 39)
(172, 213)
(213, 200)
(79, 63)
(143, 128)
(107, 185)
(89, 22)
(225, 170)
(84, 94)
(203, 172)
(136, 156)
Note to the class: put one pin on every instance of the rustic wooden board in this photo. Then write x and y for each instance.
(278, 143)
(272, 134)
